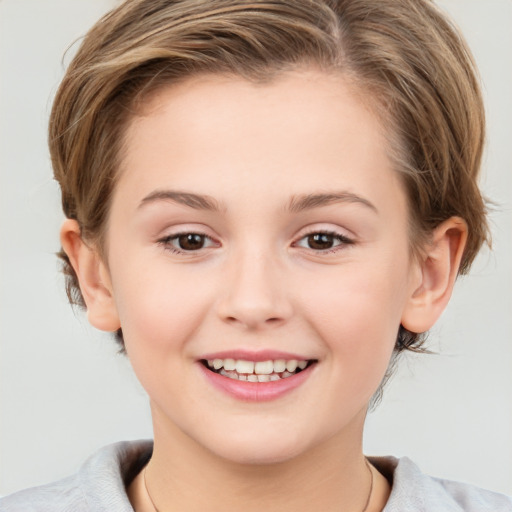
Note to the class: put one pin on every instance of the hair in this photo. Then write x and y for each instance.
(404, 56)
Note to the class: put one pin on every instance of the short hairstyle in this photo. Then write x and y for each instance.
(407, 59)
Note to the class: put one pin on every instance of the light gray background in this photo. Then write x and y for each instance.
(63, 390)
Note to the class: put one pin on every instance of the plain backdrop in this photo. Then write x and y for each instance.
(64, 392)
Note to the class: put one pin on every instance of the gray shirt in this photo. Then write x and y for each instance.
(100, 486)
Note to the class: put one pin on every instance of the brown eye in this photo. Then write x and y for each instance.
(321, 241)
(190, 241)
(183, 243)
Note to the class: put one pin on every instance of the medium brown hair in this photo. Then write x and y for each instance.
(404, 56)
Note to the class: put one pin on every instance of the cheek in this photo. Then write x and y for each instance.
(357, 313)
(160, 311)
(159, 306)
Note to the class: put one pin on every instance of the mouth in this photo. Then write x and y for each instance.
(257, 371)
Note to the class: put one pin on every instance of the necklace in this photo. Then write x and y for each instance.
(371, 485)
(364, 509)
(147, 491)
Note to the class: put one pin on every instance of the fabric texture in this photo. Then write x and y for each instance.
(99, 486)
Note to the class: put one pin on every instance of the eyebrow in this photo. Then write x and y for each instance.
(297, 203)
(309, 201)
(195, 201)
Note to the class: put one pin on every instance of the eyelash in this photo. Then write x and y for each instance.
(342, 239)
(167, 242)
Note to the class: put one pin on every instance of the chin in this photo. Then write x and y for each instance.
(260, 449)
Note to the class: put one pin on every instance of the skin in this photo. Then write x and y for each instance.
(257, 283)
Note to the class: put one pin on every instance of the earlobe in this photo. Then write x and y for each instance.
(438, 268)
(93, 277)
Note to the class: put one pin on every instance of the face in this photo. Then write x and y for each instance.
(259, 233)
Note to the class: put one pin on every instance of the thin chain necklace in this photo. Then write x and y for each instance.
(371, 485)
(364, 509)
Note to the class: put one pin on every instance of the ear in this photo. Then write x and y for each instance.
(438, 267)
(93, 277)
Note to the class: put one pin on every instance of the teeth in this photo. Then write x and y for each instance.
(244, 366)
(291, 366)
(280, 365)
(229, 364)
(264, 367)
(261, 371)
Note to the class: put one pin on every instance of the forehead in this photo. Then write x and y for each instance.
(298, 131)
(303, 94)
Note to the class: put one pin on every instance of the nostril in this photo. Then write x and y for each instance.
(271, 320)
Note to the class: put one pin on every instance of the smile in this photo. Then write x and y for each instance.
(256, 377)
(260, 371)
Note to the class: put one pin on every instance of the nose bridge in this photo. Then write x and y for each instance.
(254, 292)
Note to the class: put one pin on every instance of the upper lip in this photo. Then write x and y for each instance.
(255, 355)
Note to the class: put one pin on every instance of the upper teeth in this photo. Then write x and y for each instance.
(258, 368)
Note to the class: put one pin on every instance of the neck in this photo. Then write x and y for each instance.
(182, 475)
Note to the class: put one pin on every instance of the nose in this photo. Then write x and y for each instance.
(254, 294)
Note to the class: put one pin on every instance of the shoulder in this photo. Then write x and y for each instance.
(413, 490)
(60, 496)
(98, 486)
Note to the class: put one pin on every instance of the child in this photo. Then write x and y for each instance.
(267, 202)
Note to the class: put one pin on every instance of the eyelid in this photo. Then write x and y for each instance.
(344, 239)
(166, 242)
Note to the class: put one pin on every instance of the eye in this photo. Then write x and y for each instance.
(187, 242)
(190, 241)
(323, 241)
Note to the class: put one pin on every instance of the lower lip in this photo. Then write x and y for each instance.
(256, 391)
